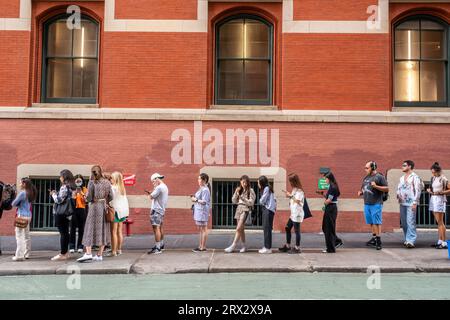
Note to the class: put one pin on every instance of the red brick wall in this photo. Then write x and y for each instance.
(14, 67)
(156, 9)
(144, 147)
(332, 9)
(9, 8)
(154, 70)
(336, 71)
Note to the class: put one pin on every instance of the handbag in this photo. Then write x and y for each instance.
(21, 222)
(306, 210)
(249, 218)
(66, 207)
(110, 212)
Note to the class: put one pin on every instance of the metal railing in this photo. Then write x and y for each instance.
(223, 209)
(43, 218)
(424, 218)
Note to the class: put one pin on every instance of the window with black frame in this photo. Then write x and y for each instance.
(421, 62)
(70, 61)
(244, 61)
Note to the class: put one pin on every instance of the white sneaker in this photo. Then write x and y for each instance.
(85, 257)
(243, 249)
(80, 251)
(72, 251)
(59, 257)
(265, 250)
(230, 249)
(17, 259)
(97, 258)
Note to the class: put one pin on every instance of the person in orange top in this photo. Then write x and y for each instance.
(79, 216)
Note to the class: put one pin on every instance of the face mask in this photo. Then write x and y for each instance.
(78, 183)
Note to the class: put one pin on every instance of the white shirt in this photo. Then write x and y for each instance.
(297, 213)
(120, 203)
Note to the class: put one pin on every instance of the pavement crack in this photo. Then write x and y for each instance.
(210, 261)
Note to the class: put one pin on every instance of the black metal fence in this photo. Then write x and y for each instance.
(43, 219)
(424, 218)
(223, 209)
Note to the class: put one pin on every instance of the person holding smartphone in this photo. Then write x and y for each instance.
(201, 208)
(79, 216)
(296, 201)
(244, 197)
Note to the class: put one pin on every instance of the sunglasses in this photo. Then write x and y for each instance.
(404, 165)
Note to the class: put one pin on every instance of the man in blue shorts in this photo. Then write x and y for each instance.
(373, 188)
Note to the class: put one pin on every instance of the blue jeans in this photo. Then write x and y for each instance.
(408, 221)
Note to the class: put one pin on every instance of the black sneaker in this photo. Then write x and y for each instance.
(295, 251)
(378, 245)
(372, 242)
(339, 244)
(197, 250)
(162, 248)
(442, 246)
(154, 250)
(284, 249)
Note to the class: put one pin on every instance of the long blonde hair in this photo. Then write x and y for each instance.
(117, 180)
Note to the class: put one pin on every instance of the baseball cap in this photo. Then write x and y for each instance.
(156, 176)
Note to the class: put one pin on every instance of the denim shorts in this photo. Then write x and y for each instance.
(373, 213)
(156, 218)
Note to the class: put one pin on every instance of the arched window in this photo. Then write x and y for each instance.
(70, 61)
(244, 61)
(421, 62)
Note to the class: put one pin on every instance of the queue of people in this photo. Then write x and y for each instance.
(107, 209)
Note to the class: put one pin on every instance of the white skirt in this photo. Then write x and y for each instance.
(437, 203)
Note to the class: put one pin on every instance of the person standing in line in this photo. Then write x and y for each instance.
(330, 214)
(439, 189)
(373, 187)
(62, 220)
(409, 190)
(97, 229)
(296, 202)
(159, 198)
(79, 216)
(201, 208)
(121, 208)
(23, 203)
(244, 197)
(269, 206)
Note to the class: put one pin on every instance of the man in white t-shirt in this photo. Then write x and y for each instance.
(159, 197)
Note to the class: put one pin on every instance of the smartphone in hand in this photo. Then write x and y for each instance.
(147, 192)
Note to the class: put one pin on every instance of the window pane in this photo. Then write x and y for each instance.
(256, 80)
(407, 44)
(85, 40)
(59, 40)
(256, 39)
(430, 25)
(433, 45)
(85, 78)
(231, 39)
(59, 78)
(432, 81)
(409, 25)
(230, 79)
(406, 81)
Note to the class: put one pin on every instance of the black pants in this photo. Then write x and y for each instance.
(62, 223)
(288, 229)
(78, 221)
(329, 227)
(267, 222)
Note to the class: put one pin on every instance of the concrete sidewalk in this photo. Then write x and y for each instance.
(354, 256)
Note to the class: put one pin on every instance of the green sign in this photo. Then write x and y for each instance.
(322, 185)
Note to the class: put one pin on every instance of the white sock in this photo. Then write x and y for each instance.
(162, 242)
(158, 245)
(439, 241)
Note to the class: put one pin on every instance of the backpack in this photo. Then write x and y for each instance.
(385, 194)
